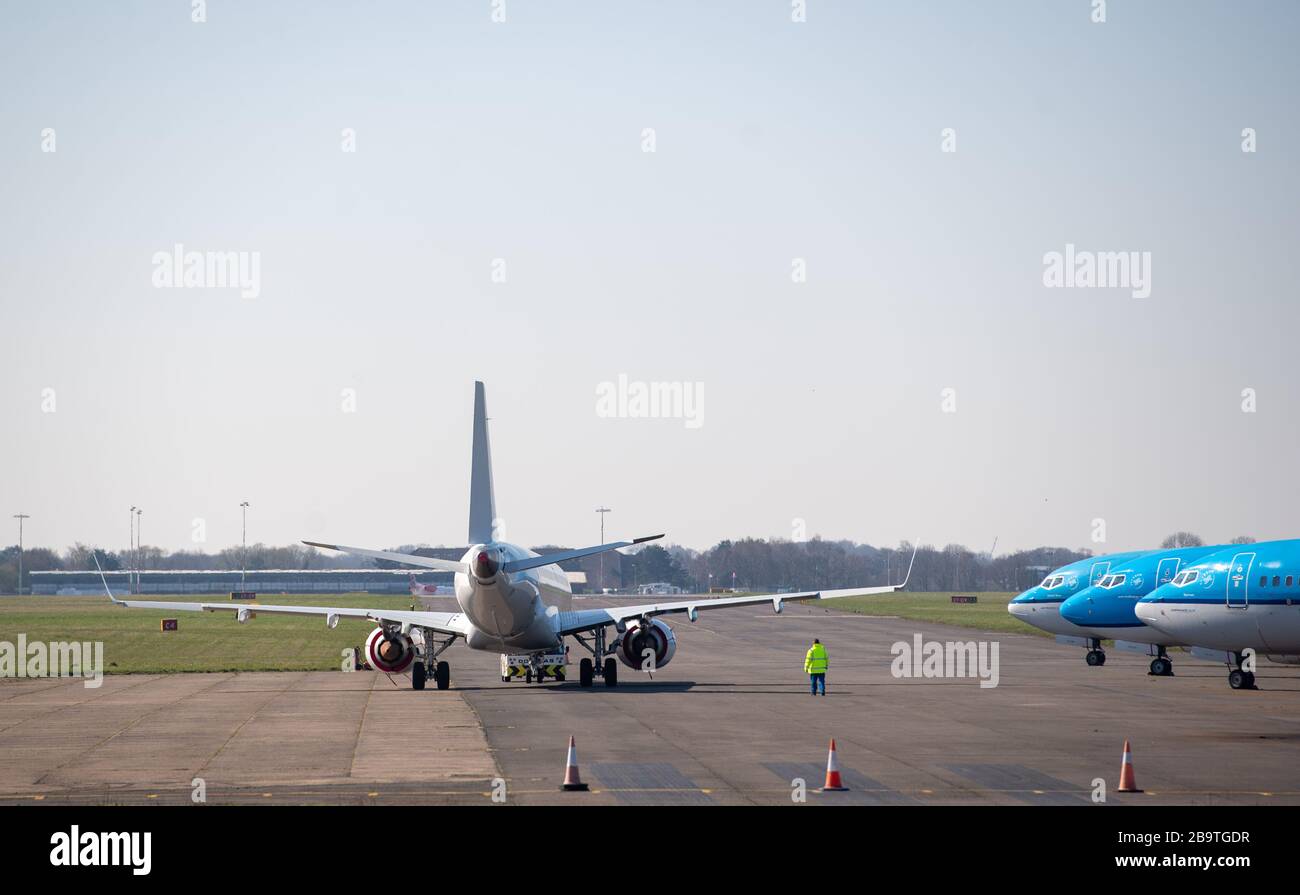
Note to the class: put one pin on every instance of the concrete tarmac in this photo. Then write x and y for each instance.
(729, 721)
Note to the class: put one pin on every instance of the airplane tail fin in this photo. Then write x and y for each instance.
(482, 503)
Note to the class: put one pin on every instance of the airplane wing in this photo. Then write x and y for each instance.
(442, 622)
(589, 619)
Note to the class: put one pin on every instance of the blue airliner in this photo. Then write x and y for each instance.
(1242, 598)
(1108, 608)
(1040, 605)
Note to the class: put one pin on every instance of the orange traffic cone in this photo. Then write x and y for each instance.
(833, 781)
(1127, 783)
(572, 782)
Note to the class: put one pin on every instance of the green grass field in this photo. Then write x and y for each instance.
(206, 641)
(133, 643)
(989, 614)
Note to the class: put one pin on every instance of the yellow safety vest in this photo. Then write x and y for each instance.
(816, 662)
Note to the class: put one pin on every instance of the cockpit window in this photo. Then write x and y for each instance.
(1114, 581)
(1186, 578)
(1052, 581)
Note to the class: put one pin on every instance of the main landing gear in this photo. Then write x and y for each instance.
(420, 674)
(1239, 678)
(589, 669)
(426, 667)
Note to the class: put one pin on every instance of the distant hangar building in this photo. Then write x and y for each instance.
(263, 581)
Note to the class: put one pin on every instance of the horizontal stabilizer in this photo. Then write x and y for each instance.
(410, 559)
(532, 562)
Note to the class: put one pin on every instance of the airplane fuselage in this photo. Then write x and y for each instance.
(1040, 605)
(511, 612)
(1247, 596)
(1108, 607)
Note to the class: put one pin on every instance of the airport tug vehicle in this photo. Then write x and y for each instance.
(533, 666)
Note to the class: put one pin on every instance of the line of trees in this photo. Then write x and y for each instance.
(753, 564)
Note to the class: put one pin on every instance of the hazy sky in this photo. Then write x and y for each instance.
(773, 141)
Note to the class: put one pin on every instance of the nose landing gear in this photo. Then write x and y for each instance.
(1161, 665)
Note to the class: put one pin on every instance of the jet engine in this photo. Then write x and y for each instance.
(389, 653)
(647, 647)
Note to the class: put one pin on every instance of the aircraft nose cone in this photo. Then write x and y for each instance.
(1076, 610)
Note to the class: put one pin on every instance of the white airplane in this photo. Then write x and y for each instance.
(512, 601)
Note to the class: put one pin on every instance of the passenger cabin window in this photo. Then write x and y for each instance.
(1288, 580)
(1277, 579)
(1263, 581)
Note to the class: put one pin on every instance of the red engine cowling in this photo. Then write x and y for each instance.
(647, 648)
(391, 654)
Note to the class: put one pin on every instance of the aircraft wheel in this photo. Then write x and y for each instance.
(1236, 679)
(1096, 657)
(417, 676)
(586, 671)
(559, 675)
(1162, 667)
(505, 679)
(611, 672)
(442, 675)
(1250, 680)
(528, 676)
(541, 676)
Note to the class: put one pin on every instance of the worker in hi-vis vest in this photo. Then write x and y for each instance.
(815, 664)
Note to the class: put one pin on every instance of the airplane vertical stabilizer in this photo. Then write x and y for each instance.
(482, 503)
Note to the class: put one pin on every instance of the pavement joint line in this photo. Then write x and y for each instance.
(361, 725)
(676, 747)
(271, 695)
(60, 681)
(755, 790)
(115, 734)
(482, 729)
(99, 692)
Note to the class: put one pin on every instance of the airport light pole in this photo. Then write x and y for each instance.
(602, 511)
(243, 558)
(139, 550)
(20, 517)
(130, 550)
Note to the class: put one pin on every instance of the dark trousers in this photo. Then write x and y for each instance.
(817, 680)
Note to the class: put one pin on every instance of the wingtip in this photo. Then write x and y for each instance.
(648, 538)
